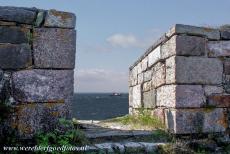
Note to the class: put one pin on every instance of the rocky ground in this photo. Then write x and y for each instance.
(114, 137)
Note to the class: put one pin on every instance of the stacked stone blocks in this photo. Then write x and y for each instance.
(184, 80)
(37, 58)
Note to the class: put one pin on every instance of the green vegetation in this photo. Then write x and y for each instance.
(5, 111)
(142, 120)
(161, 135)
(29, 36)
(7, 134)
(65, 134)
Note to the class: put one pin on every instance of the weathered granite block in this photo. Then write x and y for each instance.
(136, 103)
(17, 35)
(15, 56)
(225, 34)
(54, 48)
(218, 48)
(166, 96)
(183, 46)
(180, 96)
(118, 147)
(158, 77)
(42, 85)
(227, 66)
(60, 19)
(139, 68)
(215, 120)
(140, 78)
(147, 86)
(144, 64)
(133, 147)
(154, 56)
(190, 96)
(210, 33)
(133, 77)
(35, 117)
(130, 96)
(149, 99)
(210, 90)
(193, 70)
(219, 100)
(148, 75)
(105, 148)
(159, 113)
(17, 14)
(187, 121)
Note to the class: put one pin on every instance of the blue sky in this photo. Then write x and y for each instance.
(112, 34)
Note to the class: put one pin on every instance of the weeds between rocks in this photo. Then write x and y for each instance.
(65, 134)
(143, 120)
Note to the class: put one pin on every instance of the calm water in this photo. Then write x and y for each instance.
(98, 106)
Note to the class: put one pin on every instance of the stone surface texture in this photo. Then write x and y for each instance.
(218, 48)
(20, 15)
(190, 79)
(225, 34)
(180, 96)
(37, 60)
(227, 66)
(136, 103)
(54, 48)
(193, 70)
(154, 56)
(184, 46)
(206, 32)
(210, 90)
(60, 19)
(149, 99)
(17, 35)
(188, 121)
(219, 100)
(158, 77)
(42, 85)
(42, 116)
(15, 56)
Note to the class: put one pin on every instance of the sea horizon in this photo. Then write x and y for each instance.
(99, 106)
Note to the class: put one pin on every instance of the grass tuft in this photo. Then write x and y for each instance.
(142, 120)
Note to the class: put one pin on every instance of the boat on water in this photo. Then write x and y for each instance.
(115, 94)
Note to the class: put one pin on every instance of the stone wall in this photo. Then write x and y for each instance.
(37, 58)
(184, 80)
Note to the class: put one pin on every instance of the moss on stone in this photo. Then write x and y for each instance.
(39, 19)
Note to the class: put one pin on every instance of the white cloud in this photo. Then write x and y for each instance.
(100, 80)
(123, 40)
(130, 40)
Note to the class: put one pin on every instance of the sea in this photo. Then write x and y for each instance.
(99, 106)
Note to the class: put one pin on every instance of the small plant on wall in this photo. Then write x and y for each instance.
(64, 134)
(5, 110)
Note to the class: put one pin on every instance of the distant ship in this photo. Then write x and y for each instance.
(115, 94)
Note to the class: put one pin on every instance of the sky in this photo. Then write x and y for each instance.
(113, 34)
